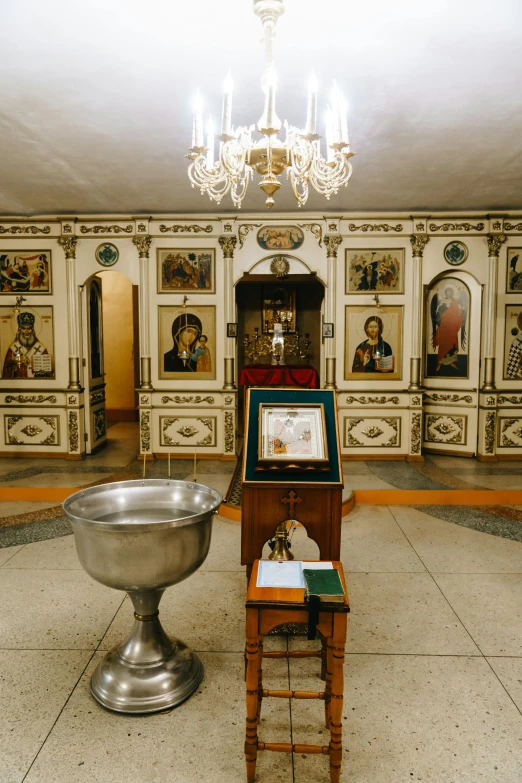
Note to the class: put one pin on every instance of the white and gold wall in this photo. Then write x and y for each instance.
(465, 405)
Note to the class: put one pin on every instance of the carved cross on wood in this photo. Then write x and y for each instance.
(292, 500)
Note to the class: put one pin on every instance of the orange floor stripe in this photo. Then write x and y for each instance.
(377, 497)
(439, 497)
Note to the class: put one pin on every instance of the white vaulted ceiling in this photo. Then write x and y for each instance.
(96, 99)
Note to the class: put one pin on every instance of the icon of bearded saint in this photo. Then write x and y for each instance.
(18, 362)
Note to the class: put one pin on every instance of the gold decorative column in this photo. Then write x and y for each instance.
(495, 242)
(73, 318)
(418, 243)
(143, 245)
(332, 242)
(228, 244)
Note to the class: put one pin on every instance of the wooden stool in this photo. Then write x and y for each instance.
(266, 608)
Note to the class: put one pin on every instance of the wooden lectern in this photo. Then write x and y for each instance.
(291, 468)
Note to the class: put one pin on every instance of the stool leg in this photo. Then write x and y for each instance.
(337, 645)
(259, 679)
(323, 657)
(252, 654)
(328, 682)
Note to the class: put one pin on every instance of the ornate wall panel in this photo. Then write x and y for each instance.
(509, 432)
(372, 432)
(187, 431)
(31, 430)
(445, 428)
(98, 425)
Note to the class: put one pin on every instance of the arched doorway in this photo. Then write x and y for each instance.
(111, 362)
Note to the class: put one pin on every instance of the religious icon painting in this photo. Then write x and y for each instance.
(280, 237)
(375, 270)
(373, 343)
(292, 433)
(182, 270)
(187, 342)
(25, 271)
(514, 270)
(27, 343)
(513, 343)
(447, 329)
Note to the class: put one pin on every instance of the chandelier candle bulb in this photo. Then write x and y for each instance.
(210, 143)
(311, 114)
(226, 120)
(336, 114)
(344, 123)
(329, 135)
(198, 121)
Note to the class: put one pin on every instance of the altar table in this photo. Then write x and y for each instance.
(279, 375)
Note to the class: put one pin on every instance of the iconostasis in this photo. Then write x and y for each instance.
(416, 322)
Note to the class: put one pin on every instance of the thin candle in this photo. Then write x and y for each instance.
(195, 466)
(144, 464)
(227, 106)
(169, 464)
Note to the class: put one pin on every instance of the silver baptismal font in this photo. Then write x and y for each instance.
(142, 537)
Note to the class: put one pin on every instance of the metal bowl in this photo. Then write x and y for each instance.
(148, 534)
(141, 537)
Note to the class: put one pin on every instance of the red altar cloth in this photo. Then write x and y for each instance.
(275, 375)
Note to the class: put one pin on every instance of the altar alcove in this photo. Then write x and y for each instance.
(260, 296)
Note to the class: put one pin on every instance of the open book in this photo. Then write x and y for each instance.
(384, 363)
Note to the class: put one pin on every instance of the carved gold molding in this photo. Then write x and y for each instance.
(184, 400)
(69, 245)
(448, 397)
(501, 400)
(143, 245)
(145, 430)
(513, 226)
(418, 243)
(316, 229)
(386, 227)
(37, 399)
(228, 245)
(332, 242)
(489, 432)
(192, 229)
(97, 396)
(495, 242)
(106, 229)
(244, 230)
(229, 431)
(415, 433)
(373, 400)
(73, 430)
(25, 230)
(457, 227)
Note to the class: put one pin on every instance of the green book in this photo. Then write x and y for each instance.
(324, 583)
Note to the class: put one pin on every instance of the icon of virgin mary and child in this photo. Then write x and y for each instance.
(190, 352)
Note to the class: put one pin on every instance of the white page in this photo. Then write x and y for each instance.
(280, 573)
(321, 565)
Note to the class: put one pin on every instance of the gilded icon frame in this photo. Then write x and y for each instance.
(292, 433)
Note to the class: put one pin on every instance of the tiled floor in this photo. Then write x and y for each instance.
(434, 656)
(433, 666)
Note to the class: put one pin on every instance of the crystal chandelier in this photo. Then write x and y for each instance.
(299, 154)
